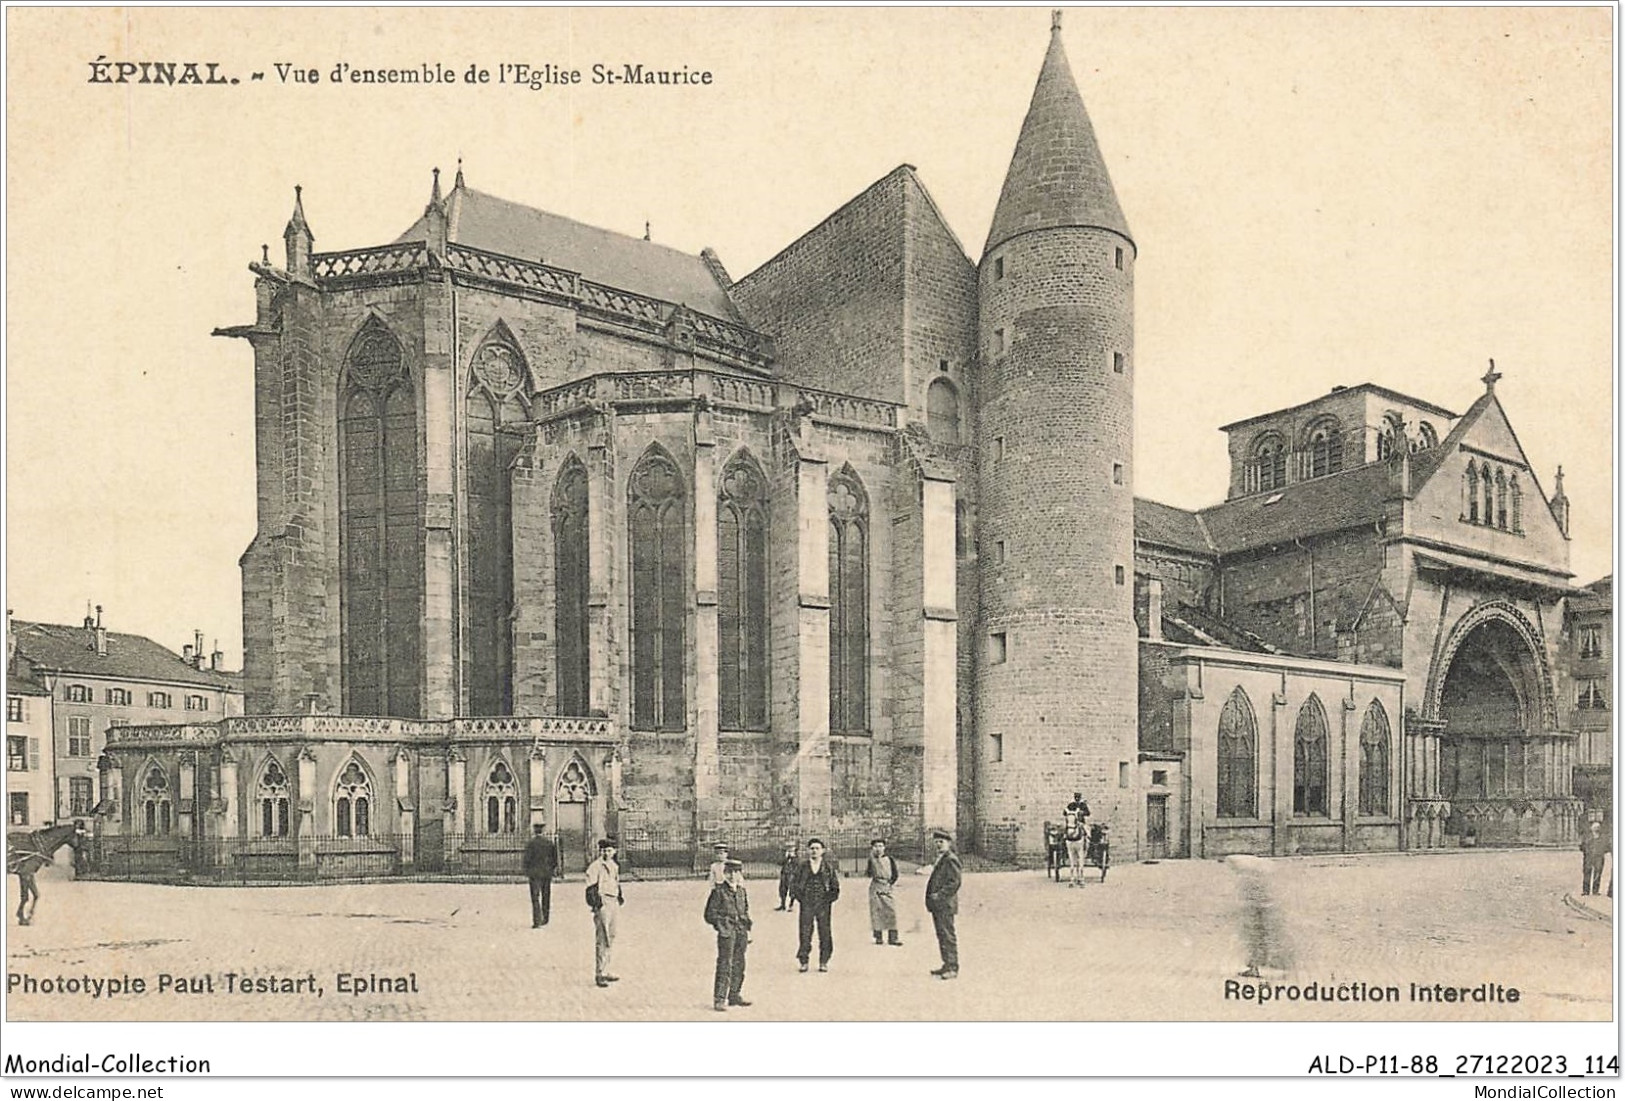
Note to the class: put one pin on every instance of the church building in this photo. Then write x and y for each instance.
(559, 525)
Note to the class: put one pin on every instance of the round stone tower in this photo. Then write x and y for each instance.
(1057, 671)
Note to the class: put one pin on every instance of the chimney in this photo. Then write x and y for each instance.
(101, 634)
(217, 657)
(197, 649)
(186, 653)
(1153, 608)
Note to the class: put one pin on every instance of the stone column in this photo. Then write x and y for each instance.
(707, 764)
(455, 795)
(1280, 766)
(307, 808)
(603, 519)
(406, 807)
(1349, 784)
(186, 809)
(941, 656)
(812, 649)
(440, 687)
(228, 796)
(538, 785)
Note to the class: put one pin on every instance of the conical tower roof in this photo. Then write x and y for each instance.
(1057, 176)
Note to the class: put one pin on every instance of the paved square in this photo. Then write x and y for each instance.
(1154, 942)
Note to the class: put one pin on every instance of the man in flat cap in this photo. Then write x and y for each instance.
(605, 900)
(817, 885)
(882, 871)
(942, 900)
(719, 853)
(728, 912)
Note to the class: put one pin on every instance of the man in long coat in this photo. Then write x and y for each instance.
(942, 900)
(541, 865)
(882, 873)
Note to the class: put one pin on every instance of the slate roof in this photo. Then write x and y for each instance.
(21, 682)
(1330, 503)
(1057, 176)
(486, 222)
(1599, 597)
(1192, 626)
(1167, 526)
(1364, 387)
(129, 657)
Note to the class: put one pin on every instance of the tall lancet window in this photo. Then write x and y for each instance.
(496, 424)
(501, 800)
(742, 596)
(571, 581)
(381, 528)
(1374, 757)
(848, 604)
(352, 802)
(1238, 758)
(1309, 760)
(272, 797)
(659, 593)
(1471, 482)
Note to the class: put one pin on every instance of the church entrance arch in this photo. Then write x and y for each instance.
(574, 797)
(1500, 758)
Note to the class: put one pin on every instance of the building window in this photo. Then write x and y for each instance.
(1590, 642)
(1118, 362)
(14, 710)
(942, 365)
(659, 593)
(1500, 499)
(998, 648)
(1391, 436)
(1266, 469)
(16, 753)
(78, 693)
(1118, 259)
(271, 794)
(17, 809)
(352, 802)
(497, 413)
(742, 590)
(1591, 697)
(996, 747)
(1374, 757)
(1426, 436)
(1000, 552)
(1117, 474)
(998, 341)
(78, 736)
(159, 699)
(998, 267)
(998, 448)
(155, 805)
(501, 800)
(81, 796)
(380, 530)
(197, 703)
(1159, 777)
(1471, 488)
(1515, 492)
(848, 604)
(1486, 479)
(1238, 758)
(942, 411)
(1118, 574)
(118, 697)
(1323, 445)
(571, 582)
(1309, 760)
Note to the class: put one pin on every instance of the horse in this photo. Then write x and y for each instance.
(27, 853)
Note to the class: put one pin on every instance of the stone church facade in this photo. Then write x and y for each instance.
(560, 525)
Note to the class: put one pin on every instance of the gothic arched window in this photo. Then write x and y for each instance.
(496, 419)
(352, 802)
(1472, 493)
(848, 604)
(1374, 757)
(1427, 437)
(1515, 492)
(571, 583)
(382, 532)
(742, 587)
(1309, 760)
(155, 802)
(501, 800)
(1391, 436)
(659, 593)
(272, 796)
(942, 411)
(1486, 482)
(1500, 498)
(1268, 467)
(575, 784)
(1324, 446)
(1238, 758)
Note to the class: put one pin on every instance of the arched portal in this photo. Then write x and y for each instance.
(1500, 764)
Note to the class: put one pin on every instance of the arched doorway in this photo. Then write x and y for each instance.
(1500, 762)
(573, 801)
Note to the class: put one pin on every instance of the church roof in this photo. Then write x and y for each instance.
(1597, 597)
(1057, 176)
(1189, 625)
(1168, 526)
(129, 657)
(486, 222)
(1296, 511)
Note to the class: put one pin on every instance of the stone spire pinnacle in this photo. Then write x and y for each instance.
(1057, 176)
(458, 182)
(297, 238)
(434, 192)
(296, 222)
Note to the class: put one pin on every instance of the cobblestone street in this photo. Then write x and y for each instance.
(1154, 942)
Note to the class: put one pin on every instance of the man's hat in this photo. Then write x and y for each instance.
(723, 845)
(538, 827)
(732, 866)
(878, 841)
(943, 835)
(608, 843)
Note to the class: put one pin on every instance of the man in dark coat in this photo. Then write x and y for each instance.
(942, 900)
(541, 864)
(816, 886)
(1594, 848)
(728, 912)
(787, 876)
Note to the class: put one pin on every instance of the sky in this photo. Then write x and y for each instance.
(1318, 198)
